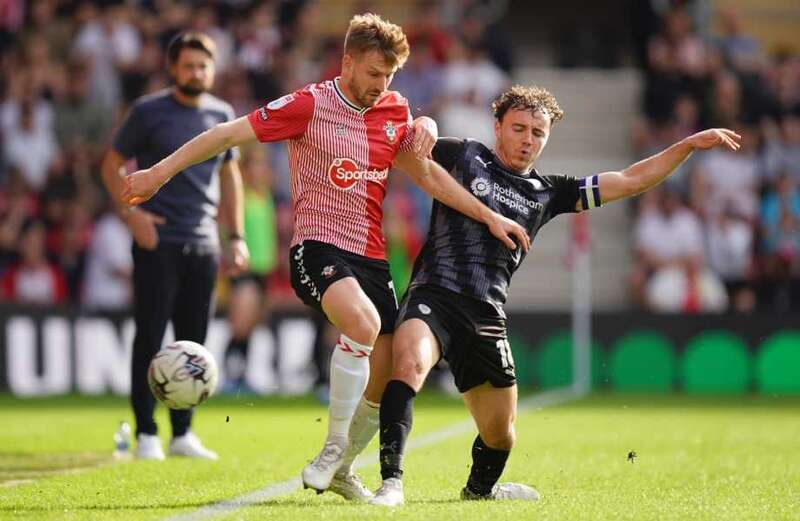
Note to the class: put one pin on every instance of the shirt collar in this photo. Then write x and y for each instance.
(349, 104)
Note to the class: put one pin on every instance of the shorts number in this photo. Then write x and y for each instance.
(506, 358)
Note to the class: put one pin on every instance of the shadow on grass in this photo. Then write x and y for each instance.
(24, 467)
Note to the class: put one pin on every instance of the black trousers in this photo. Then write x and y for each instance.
(172, 282)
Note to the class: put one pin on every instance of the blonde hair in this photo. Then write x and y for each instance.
(531, 98)
(370, 32)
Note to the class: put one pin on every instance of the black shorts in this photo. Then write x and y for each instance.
(472, 335)
(316, 265)
(257, 278)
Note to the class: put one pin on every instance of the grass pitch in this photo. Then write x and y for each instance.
(696, 458)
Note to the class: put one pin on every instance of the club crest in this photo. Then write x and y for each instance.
(391, 132)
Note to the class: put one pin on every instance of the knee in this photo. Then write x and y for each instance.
(500, 434)
(409, 367)
(240, 327)
(363, 326)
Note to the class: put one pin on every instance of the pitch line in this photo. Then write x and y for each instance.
(282, 488)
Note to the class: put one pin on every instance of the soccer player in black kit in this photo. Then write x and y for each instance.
(454, 305)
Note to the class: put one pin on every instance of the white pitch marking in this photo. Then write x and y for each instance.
(536, 401)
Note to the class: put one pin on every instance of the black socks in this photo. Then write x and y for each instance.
(396, 419)
(487, 466)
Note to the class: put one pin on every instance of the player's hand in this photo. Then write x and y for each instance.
(714, 137)
(425, 135)
(238, 257)
(140, 186)
(504, 229)
(143, 228)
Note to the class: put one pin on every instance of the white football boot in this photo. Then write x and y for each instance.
(319, 473)
(148, 446)
(504, 491)
(190, 446)
(349, 486)
(390, 494)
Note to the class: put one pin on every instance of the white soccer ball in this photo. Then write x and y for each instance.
(183, 374)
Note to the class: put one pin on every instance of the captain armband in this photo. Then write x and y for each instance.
(589, 189)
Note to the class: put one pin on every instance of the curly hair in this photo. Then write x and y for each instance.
(531, 98)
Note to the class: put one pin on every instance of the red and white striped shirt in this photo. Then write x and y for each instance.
(339, 158)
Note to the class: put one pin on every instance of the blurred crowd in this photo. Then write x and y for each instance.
(723, 233)
(69, 70)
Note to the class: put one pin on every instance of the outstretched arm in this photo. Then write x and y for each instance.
(647, 173)
(140, 186)
(437, 183)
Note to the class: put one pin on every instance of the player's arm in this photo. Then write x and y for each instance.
(437, 183)
(141, 223)
(232, 208)
(141, 185)
(647, 173)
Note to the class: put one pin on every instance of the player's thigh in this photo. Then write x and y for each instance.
(494, 410)
(415, 351)
(380, 368)
(351, 311)
(245, 308)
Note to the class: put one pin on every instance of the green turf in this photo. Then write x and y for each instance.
(698, 458)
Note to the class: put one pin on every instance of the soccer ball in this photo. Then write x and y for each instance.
(182, 375)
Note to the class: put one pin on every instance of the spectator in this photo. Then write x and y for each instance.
(721, 179)
(54, 30)
(782, 148)
(33, 279)
(30, 145)
(248, 295)
(470, 84)
(427, 26)
(420, 80)
(729, 246)
(671, 274)
(780, 221)
(70, 244)
(18, 204)
(107, 286)
(677, 40)
(78, 119)
(112, 44)
(741, 50)
(725, 101)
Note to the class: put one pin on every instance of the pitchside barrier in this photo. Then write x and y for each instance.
(65, 351)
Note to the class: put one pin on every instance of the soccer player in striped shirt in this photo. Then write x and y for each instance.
(472, 269)
(343, 136)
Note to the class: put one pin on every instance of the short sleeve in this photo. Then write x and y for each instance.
(447, 151)
(284, 118)
(407, 144)
(131, 135)
(566, 194)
